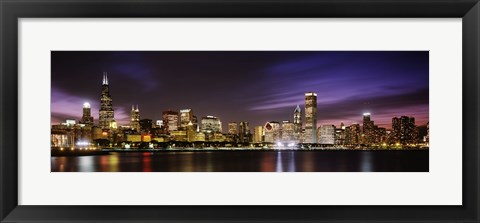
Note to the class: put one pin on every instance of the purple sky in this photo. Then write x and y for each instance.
(253, 86)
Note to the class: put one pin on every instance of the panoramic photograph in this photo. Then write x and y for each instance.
(239, 111)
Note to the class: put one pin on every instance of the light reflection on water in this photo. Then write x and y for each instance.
(366, 164)
(246, 161)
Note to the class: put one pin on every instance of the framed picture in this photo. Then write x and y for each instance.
(239, 111)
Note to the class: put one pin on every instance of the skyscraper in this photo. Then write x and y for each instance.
(87, 118)
(326, 135)
(232, 128)
(404, 129)
(297, 122)
(211, 124)
(310, 117)
(106, 114)
(170, 120)
(244, 132)
(186, 116)
(258, 135)
(288, 129)
(368, 129)
(272, 131)
(135, 119)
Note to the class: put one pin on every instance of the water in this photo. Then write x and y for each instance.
(247, 161)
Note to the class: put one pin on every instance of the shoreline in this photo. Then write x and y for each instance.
(105, 151)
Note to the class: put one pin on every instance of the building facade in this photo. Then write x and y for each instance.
(310, 117)
(186, 116)
(211, 124)
(170, 120)
(288, 130)
(232, 128)
(135, 119)
(272, 131)
(106, 113)
(327, 135)
(244, 132)
(258, 134)
(87, 118)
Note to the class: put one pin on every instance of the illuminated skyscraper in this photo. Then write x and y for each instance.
(272, 131)
(87, 118)
(352, 135)
(310, 117)
(232, 128)
(135, 118)
(170, 120)
(368, 129)
(211, 124)
(106, 115)
(287, 131)
(404, 129)
(258, 135)
(326, 135)
(297, 119)
(244, 132)
(186, 116)
(191, 134)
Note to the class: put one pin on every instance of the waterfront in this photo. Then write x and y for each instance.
(248, 161)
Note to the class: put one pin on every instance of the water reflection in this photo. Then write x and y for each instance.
(247, 161)
(366, 163)
(86, 164)
(279, 162)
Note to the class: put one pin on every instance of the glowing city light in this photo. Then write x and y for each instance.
(86, 105)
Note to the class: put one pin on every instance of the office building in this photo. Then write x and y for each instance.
(310, 117)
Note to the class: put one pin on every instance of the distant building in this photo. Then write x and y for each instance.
(288, 130)
(134, 138)
(200, 137)
(368, 129)
(352, 135)
(427, 138)
(232, 128)
(244, 132)
(297, 122)
(404, 130)
(135, 119)
(340, 135)
(146, 125)
(327, 135)
(310, 117)
(178, 135)
(186, 116)
(258, 134)
(87, 118)
(211, 124)
(272, 131)
(170, 120)
(191, 133)
(106, 112)
(159, 124)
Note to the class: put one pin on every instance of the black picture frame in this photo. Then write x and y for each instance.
(12, 10)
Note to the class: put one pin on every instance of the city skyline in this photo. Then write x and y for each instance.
(382, 92)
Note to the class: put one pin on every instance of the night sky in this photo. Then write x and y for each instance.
(253, 86)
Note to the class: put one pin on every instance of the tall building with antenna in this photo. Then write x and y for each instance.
(135, 118)
(310, 117)
(106, 114)
(297, 119)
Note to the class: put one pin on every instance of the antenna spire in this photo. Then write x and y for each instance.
(106, 78)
